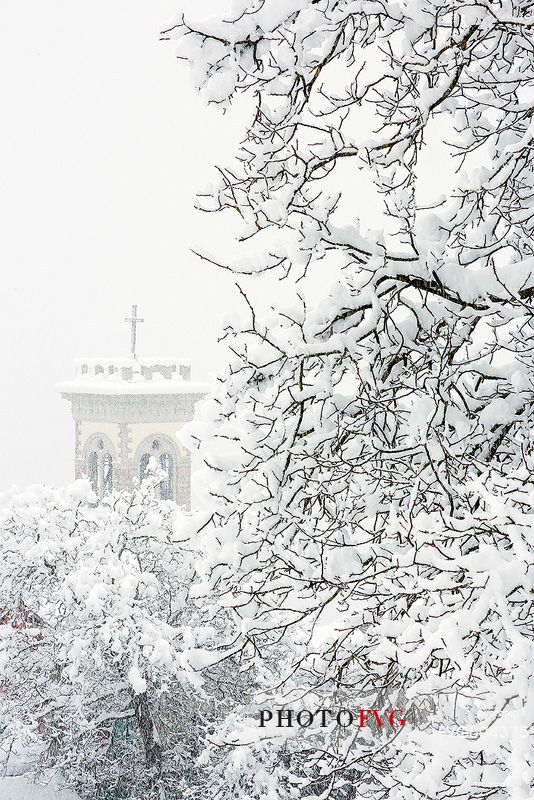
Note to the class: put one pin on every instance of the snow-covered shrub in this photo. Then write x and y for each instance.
(93, 599)
(369, 452)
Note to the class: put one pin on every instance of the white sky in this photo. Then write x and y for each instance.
(102, 145)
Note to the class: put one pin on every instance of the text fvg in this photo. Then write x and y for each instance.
(323, 717)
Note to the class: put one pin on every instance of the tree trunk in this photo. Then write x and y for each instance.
(150, 737)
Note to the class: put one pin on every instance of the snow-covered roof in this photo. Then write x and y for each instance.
(114, 376)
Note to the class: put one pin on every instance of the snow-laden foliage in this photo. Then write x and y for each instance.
(93, 599)
(369, 456)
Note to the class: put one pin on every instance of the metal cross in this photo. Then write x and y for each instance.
(134, 320)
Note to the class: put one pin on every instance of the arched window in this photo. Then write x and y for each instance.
(99, 465)
(162, 451)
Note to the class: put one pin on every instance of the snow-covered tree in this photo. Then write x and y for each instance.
(369, 455)
(94, 619)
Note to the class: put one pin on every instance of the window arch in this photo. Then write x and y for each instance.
(99, 457)
(163, 450)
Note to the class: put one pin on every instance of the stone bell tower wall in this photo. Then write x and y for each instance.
(132, 410)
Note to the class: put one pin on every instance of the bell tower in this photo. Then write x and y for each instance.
(127, 412)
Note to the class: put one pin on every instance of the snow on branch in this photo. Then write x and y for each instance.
(369, 458)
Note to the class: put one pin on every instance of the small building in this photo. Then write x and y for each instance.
(127, 411)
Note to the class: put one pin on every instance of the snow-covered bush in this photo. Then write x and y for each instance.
(93, 599)
(369, 455)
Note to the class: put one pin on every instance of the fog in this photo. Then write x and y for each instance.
(103, 143)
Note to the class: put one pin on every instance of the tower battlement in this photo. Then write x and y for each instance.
(130, 369)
